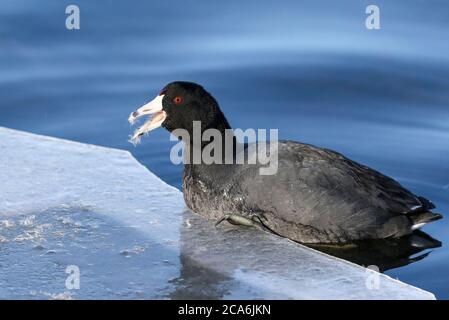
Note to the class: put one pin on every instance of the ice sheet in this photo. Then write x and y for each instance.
(64, 203)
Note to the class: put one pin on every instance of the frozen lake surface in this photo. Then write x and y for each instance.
(69, 204)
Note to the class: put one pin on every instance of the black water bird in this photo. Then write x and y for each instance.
(316, 195)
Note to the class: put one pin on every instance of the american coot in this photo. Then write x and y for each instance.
(316, 196)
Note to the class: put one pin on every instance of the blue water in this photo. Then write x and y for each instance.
(309, 68)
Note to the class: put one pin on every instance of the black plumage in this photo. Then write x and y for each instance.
(316, 196)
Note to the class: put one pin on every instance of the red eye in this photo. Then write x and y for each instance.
(177, 100)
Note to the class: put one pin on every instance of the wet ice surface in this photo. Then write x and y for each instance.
(65, 203)
(115, 261)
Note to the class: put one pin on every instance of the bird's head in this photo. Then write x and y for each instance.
(177, 106)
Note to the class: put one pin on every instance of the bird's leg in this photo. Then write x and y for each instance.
(253, 220)
(236, 219)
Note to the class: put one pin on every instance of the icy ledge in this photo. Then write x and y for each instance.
(64, 203)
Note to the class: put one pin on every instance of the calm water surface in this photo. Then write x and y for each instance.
(309, 68)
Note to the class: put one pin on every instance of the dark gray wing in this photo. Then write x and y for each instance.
(328, 196)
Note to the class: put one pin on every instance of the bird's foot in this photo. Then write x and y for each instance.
(253, 220)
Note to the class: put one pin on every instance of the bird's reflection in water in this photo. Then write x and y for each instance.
(198, 282)
(386, 253)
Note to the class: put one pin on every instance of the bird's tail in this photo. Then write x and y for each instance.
(419, 219)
